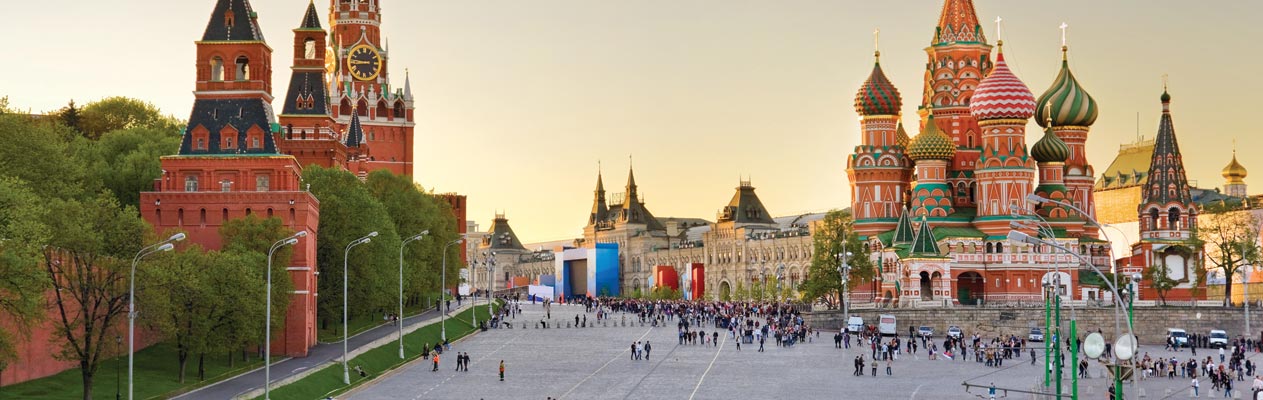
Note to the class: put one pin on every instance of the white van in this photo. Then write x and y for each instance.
(1181, 337)
(855, 324)
(886, 325)
(1218, 339)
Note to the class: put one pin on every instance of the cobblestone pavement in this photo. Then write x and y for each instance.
(594, 363)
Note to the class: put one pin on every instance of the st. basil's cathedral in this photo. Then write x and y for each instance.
(936, 208)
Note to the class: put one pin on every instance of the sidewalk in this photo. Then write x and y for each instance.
(319, 355)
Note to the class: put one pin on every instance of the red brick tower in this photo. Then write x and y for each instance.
(310, 133)
(879, 171)
(228, 166)
(959, 57)
(361, 85)
(1005, 172)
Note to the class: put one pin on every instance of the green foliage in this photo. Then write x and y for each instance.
(128, 161)
(835, 235)
(413, 211)
(1160, 280)
(255, 235)
(22, 230)
(347, 212)
(665, 293)
(40, 155)
(205, 302)
(69, 116)
(115, 113)
(88, 265)
(1230, 239)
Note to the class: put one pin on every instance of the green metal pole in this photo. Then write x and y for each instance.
(1074, 360)
(1057, 346)
(1047, 332)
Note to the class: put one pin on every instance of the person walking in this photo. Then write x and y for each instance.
(1196, 386)
(436, 362)
(888, 365)
(501, 370)
(648, 349)
(633, 350)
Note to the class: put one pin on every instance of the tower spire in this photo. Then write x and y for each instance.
(958, 23)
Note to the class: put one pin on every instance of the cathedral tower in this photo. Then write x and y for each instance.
(1166, 209)
(878, 170)
(932, 150)
(1234, 177)
(1002, 104)
(310, 132)
(1070, 111)
(958, 59)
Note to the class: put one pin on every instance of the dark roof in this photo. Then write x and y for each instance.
(599, 209)
(240, 114)
(925, 245)
(306, 86)
(745, 207)
(1166, 168)
(903, 230)
(354, 133)
(243, 28)
(311, 20)
(502, 237)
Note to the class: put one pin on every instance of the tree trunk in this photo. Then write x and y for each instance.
(87, 380)
(201, 366)
(183, 355)
(1227, 289)
(230, 359)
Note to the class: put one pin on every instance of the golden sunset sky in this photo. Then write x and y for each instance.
(518, 100)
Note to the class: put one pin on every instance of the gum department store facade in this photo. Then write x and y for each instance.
(934, 209)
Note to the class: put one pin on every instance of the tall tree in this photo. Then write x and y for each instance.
(412, 212)
(69, 116)
(255, 235)
(835, 235)
(87, 262)
(127, 161)
(115, 113)
(22, 232)
(348, 212)
(41, 155)
(1230, 237)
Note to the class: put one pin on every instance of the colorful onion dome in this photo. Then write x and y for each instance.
(1001, 95)
(1071, 105)
(1050, 148)
(1234, 172)
(931, 144)
(877, 96)
(901, 136)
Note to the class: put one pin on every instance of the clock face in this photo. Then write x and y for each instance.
(364, 62)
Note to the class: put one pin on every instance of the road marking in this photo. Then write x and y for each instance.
(664, 357)
(914, 391)
(607, 363)
(712, 365)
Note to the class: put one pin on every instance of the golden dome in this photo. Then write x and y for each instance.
(1234, 172)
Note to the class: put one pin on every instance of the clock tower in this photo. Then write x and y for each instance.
(360, 85)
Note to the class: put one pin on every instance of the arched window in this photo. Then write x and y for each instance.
(990, 248)
(309, 49)
(217, 69)
(262, 183)
(399, 112)
(243, 68)
(202, 218)
(190, 183)
(1153, 217)
(1173, 217)
(999, 247)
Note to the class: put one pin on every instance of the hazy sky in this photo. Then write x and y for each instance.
(518, 100)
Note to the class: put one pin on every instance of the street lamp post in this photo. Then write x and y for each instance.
(844, 273)
(490, 264)
(443, 292)
(164, 245)
(1022, 237)
(400, 316)
(267, 324)
(780, 276)
(346, 371)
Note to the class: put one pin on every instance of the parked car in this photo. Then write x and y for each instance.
(954, 332)
(925, 331)
(1181, 337)
(1036, 335)
(1218, 339)
(854, 324)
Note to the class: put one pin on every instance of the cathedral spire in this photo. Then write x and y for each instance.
(958, 23)
(1166, 182)
(925, 245)
(600, 211)
(232, 20)
(311, 20)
